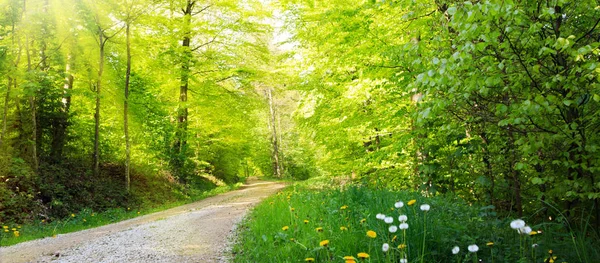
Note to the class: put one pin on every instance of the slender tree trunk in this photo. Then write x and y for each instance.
(126, 108)
(62, 122)
(5, 112)
(102, 42)
(275, 156)
(182, 118)
(32, 108)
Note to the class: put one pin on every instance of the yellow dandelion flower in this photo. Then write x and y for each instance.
(138, 212)
(128, 208)
(72, 215)
(285, 228)
(14, 229)
(319, 229)
(371, 234)
(5, 230)
(43, 220)
(309, 259)
(349, 259)
(93, 214)
(324, 243)
(344, 207)
(411, 202)
(394, 238)
(19, 226)
(533, 233)
(402, 246)
(364, 220)
(489, 244)
(343, 228)
(305, 221)
(363, 255)
(16, 233)
(293, 209)
(84, 220)
(5, 227)
(54, 236)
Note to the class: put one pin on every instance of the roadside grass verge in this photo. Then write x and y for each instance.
(12, 234)
(317, 221)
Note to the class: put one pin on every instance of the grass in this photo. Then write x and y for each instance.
(294, 225)
(12, 234)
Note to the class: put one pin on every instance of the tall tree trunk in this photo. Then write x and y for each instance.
(126, 108)
(275, 155)
(32, 108)
(182, 114)
(5, 112)
(102, 42)
(62, 122)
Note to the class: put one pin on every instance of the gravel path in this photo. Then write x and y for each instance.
(195, 232)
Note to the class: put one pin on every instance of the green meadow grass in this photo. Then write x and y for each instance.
(284, 228)
(86, 219)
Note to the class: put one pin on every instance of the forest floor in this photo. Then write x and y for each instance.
(196, 232)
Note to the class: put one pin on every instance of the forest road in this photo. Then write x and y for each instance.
(196, 232)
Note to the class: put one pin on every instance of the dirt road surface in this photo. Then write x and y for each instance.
(196, 232)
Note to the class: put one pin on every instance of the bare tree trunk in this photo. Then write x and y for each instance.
(275, 155)
(126, 108)
(32, 106)
(101, 42)
(5, 113)
(182, 115)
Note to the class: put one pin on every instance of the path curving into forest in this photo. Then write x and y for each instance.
(196, 232)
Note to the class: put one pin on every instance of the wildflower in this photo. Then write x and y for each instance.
(72, 215)
(293, 209)
(394, 238)
(319, 229)
(84, 220)
(270, 203)
(362, 221)
(363, 255)
(19, 226)
(128, 208)
(399, 204)
(343, 228)
(285, 228)
(344, 207)
(385, 247)
(473, 248)
(402, 218)
(14, 229)
(350, 259)
(380, 216)
(305, 221)
(402, 246)
(388, 219)
(524, 230)
(534, 245)
(455, 250)
(517, 224)
(5, 230)
(138, 212)
(16, 233)
(393, 229)
(371, 234)
(93, 214)
(489, 244)
(309, 259)
(293, 239)
(403, 226)
(43, 220)
(533, 233)
(324, 243)
(403, 260)
(5, 227)
(425, 207)
(411, 202)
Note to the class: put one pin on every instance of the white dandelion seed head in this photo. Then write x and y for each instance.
(455, 250)
(403, 260)
(399, 204)
(517, 224)
(385, 247)
(525, 230)
(388, 219)
(425, 207)
(534, 245)
(403, 226)
(380, 216)
(473, 248)
(402, 218)
(393, 229)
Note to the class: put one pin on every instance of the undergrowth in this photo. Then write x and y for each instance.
(315, 222)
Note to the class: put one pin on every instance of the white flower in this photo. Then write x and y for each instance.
(402, 218)
(473, 248)
(403, 260)
(525, 230)
(534, 245)
(388, 219)
(517, 224)
(425, 207)
(403, 226)
(385, 247)
(393, 229)
(455, 250)
(380, 216)
(399, 204)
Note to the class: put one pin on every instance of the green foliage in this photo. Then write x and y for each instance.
(284, 229)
